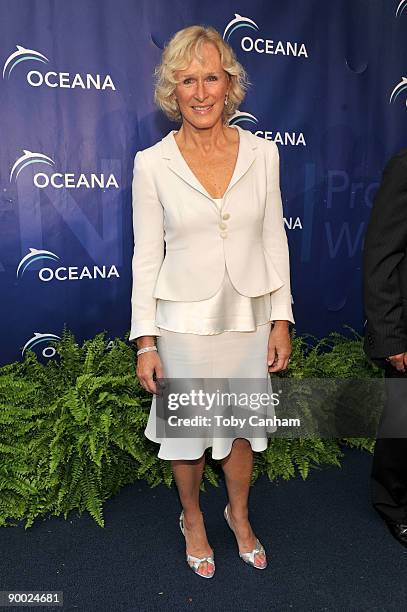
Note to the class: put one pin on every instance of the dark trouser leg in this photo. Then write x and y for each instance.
(389, 469)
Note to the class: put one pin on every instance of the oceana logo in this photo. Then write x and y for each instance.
(243, 117)
(63, 273)
(38, 340)
(59, 180)
(401, 8)
(34, 255)
(26, 160)
(51, 78)
(262, 45)
(290, 223)
(400, 87)
(282, 138)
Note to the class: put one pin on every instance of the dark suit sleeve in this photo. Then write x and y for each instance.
(384, 249)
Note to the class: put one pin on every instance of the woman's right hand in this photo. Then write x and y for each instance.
(398, 361)
(147, 364)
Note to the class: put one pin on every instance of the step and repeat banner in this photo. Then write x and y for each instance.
(328, 86)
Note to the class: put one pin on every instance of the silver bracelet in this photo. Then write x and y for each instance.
(146, 349)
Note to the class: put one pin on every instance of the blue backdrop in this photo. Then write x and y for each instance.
(77, 103)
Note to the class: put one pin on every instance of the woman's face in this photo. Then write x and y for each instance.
(202, 90)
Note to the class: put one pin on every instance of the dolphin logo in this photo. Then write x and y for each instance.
(398, 89)
(39, 339)
(30, 158)
(238, 22)
(401, 7)
(34, 255)
(241, 117)
(22, 55)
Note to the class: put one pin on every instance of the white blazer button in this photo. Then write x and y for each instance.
(223, 234)
(225, 216)
(223, 226)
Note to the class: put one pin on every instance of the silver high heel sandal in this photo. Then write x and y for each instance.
(194, 562)
(249, 557)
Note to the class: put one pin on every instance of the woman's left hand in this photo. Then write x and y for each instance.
(279, 347)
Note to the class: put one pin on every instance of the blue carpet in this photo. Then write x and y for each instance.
(329, 551)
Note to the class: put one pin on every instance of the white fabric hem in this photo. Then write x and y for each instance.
(256, 448)
(212, 333)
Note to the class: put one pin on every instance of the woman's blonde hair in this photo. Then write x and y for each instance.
(178, 54)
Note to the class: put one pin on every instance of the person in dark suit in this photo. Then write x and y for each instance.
(385, 343)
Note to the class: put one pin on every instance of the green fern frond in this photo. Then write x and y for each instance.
(72, 429)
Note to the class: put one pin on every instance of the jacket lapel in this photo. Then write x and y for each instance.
(176, 162)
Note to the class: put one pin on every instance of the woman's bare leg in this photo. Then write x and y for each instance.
(238, 467)
(188, 476)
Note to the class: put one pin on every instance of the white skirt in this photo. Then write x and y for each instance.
(227, 356)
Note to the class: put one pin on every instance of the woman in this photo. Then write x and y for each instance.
(219, 302)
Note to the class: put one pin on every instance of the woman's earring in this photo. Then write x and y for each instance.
(226, 99)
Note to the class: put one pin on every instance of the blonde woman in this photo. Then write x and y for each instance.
(218, 304)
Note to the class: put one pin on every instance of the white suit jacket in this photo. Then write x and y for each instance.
(247, 236)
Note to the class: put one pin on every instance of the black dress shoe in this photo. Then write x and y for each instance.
(398, 531)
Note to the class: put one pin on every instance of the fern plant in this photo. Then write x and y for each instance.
(72, 429)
